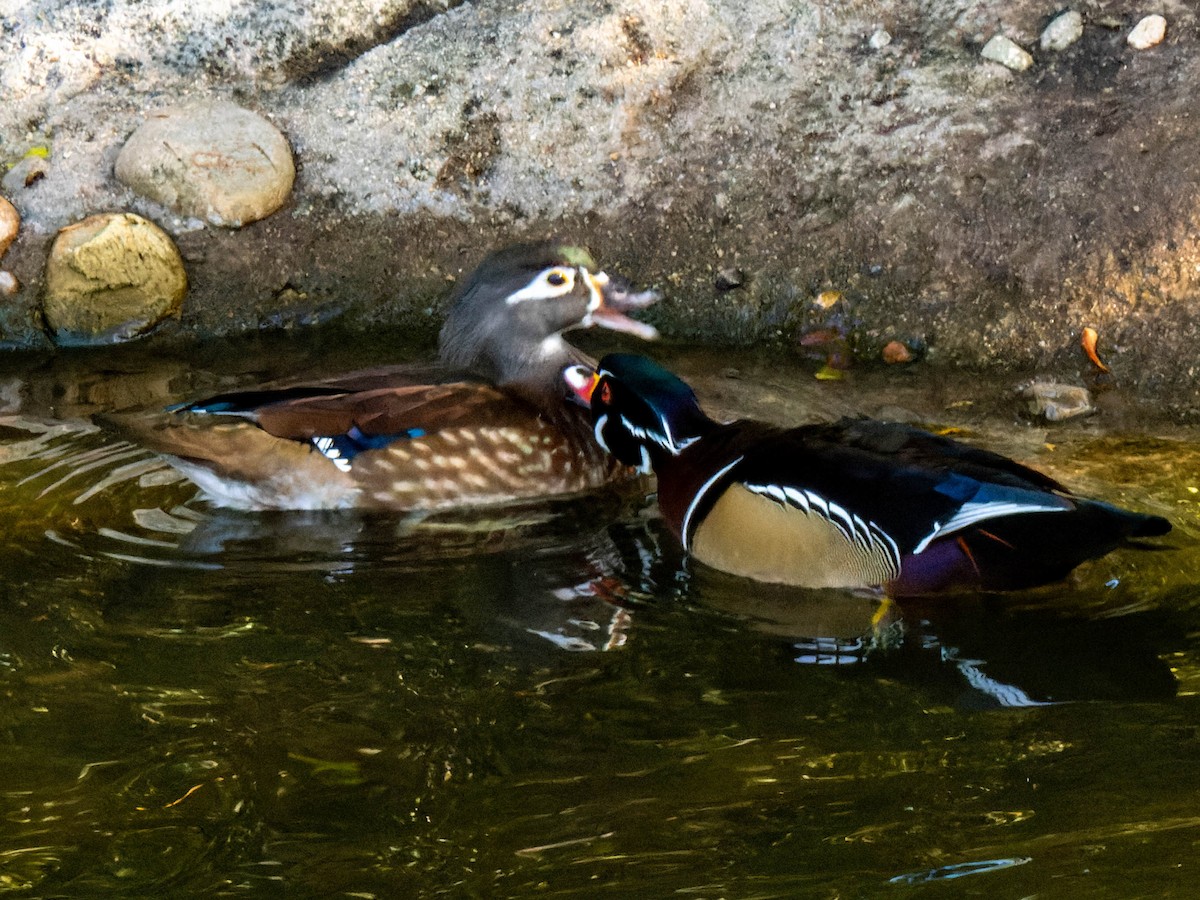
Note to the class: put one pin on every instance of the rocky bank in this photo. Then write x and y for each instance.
(747, 159)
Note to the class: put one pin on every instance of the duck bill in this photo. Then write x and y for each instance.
(582, 381)
(614, 298)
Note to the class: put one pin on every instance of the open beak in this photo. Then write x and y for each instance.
(616, 299)
(582, 381)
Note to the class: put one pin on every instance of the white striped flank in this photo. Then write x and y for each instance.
(685, 528)
(868, 537)
(973, 513)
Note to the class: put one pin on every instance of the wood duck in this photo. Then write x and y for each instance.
(856, 503)
(491, 423)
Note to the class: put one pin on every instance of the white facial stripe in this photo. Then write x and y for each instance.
(646, 467)
(541, 288)
(642, 434)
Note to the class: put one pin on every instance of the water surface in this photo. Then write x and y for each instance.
(548, 701)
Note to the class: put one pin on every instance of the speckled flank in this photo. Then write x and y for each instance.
(469, 466)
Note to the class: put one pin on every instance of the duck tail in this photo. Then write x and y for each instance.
(1026, 550)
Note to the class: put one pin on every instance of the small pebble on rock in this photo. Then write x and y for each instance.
(211, 160)
(879, 39)
(1063, 31)
(729, 278)
(24, 174)
(1056, 402)
(1009, 54)
(1148, 32)
(10, 224)
(8, 284)
(109, 278)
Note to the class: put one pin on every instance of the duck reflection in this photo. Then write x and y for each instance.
(971, 651)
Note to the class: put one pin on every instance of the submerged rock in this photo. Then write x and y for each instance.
(109, 278)
(1056, 402)
(212, 160)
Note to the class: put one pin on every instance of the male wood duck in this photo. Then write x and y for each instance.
(856, 503)
(491, 423)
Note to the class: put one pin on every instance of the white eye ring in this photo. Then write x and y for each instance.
(547, 285)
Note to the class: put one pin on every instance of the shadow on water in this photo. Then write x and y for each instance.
(549, 700)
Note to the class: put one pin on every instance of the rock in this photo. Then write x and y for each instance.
(895, 353)
(8, 284)
(211, 160)
(729, 278)
(1148, 32)
(25, 173)
(109, 278)
(1063, 31)
(879, 39)
(1056, 402)
(10, 224)
(1009, 54)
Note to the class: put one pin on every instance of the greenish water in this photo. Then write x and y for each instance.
(550, 703)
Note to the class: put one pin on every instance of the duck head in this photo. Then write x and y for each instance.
(507, 319)
(641, 413)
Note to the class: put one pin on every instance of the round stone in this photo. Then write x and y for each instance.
(211, 160)
(1008, 53)
(1148, 32)
(10, 224)
(1063, 31)
(109, 278)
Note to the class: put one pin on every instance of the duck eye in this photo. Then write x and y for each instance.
(605, 393)
(556, 278)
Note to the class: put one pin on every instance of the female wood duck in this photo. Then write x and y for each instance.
(856, 503)
(492, 425)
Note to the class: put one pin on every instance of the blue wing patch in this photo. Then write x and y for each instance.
(341, 448)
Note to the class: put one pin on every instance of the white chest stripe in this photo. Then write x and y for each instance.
(973, 513)
(598, 430)
(867, 536)
(704, 489)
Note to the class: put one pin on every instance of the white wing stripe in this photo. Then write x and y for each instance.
(973, 513)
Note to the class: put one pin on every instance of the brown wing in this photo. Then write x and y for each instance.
(392, 411)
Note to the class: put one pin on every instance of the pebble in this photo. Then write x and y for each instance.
(10, 224)
(109, 278)
(880, 39)
(8, 284)
(896, 353)
(211, 160)
(1148, 32)
(1063, 31)
(1009, 54)
(1056, 402)
(729, 278)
